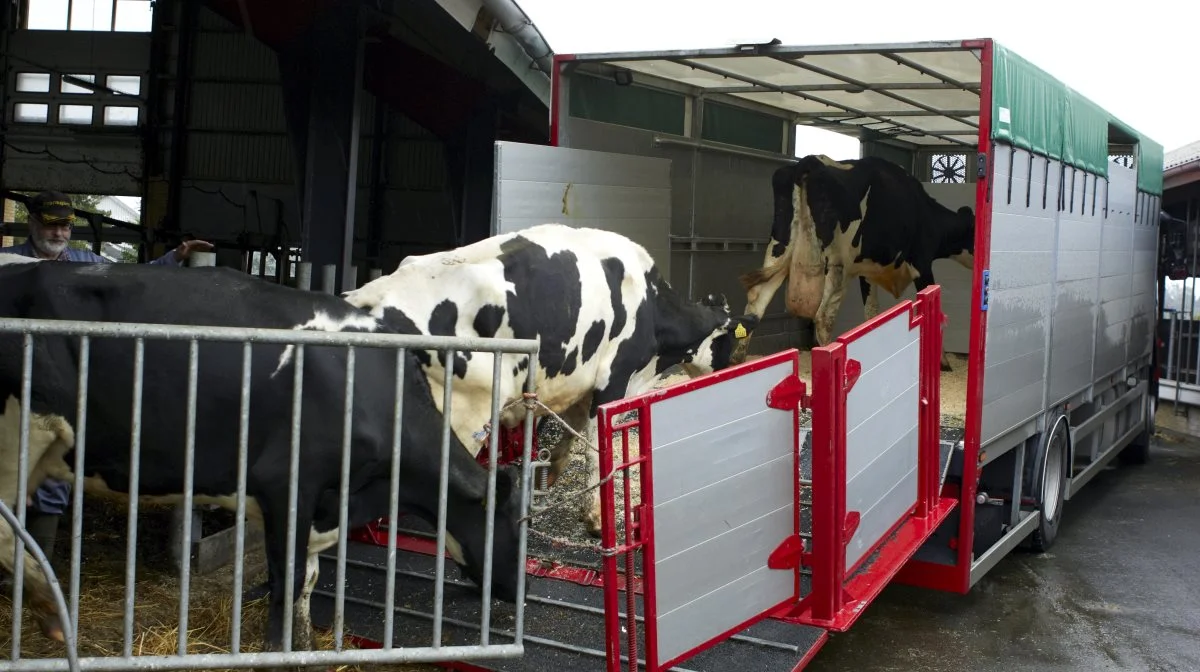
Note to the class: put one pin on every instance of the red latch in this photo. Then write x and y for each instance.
(787, 394)
(853, 371)
(851, 526)
(787, 555)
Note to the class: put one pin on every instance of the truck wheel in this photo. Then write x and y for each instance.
(1050, 485)
(1138, 452)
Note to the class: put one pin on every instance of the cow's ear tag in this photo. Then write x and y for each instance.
(740, 332)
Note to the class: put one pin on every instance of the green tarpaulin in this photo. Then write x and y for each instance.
(1034, 111)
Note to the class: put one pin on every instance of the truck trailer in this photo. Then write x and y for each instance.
(751, 512)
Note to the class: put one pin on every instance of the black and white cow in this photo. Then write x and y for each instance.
(835, 220)
(608, 325)
(224, 297)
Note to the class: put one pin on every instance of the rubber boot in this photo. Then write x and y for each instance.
(43, 527)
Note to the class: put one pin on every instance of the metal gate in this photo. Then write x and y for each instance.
(195, 345)
(724, 443)
(875, 456)
(724, 510)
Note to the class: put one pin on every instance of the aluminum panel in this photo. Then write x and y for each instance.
(591, 135)
(882, 413)
(1076, 268)
(687, 579)
(744, 442)
(676, 526)
(536, 184)
(724, 499)
(734, 603)
(1023, 273)
(1145, 288)
(1115, 300)
(709, 407)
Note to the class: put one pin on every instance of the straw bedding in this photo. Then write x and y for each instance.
(156, 606)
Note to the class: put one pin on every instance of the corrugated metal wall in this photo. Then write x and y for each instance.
(240, 167)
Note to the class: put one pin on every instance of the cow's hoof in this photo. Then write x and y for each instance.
(592, 525)
(52, 628)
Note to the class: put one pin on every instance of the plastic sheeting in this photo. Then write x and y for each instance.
(1036, 112)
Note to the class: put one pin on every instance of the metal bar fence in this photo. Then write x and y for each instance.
(86, 332)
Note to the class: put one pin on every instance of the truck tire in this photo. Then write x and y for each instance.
(1048, 475)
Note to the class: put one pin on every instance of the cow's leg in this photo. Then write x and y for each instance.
(870, 297)
(302, 628)
(576, 418)
(50, 438)
(271, 492)
(38, 595)
(641, 382)
(591, 504)
(831, 302)
(923, 280)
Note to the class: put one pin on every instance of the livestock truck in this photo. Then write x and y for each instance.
(751, 512)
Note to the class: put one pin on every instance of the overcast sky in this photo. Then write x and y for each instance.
(1140, 64)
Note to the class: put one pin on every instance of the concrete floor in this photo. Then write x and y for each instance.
(1118, 591)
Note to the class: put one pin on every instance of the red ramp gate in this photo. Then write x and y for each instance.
(706, 491)
(876, 476)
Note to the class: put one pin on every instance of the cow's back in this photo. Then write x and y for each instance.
(170, 296)
(576, 291)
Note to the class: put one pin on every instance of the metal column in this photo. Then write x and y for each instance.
(321, 74)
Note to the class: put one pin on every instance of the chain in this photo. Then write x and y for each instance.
(563, 542)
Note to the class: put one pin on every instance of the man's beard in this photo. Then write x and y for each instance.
(51, 248)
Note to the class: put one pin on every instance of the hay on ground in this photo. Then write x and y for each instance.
(156, 598)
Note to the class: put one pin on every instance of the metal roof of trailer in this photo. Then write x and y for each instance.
(923, 93)
(915, 93)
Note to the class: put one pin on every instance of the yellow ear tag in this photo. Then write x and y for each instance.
(740, 332)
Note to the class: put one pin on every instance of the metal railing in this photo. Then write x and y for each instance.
(85, 332)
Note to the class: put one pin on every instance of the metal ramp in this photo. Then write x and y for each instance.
(564, 620)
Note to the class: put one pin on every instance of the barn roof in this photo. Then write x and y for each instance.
(1186, 154)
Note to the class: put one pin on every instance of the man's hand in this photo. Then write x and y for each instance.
(186, 248)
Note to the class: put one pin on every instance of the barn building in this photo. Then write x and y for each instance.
(329, 131)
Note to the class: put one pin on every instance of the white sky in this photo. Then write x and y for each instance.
(1139, 63)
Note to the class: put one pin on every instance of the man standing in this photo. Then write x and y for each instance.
(51, 217)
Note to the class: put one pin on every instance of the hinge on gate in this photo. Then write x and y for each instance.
(981, 165)
(788, 554)
(788, 394)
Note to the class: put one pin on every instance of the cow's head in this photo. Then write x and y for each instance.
(959, 241)
(715, 351)
(467, 527)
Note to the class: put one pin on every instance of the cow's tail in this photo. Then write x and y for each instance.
(766, 272)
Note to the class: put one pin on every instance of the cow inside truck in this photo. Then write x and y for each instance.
(934, 430)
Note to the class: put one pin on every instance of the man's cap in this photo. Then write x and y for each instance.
(52, 207)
